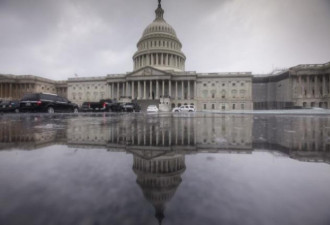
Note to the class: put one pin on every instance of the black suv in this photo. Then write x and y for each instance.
(131, 107)
(9, 106)
(51, 103)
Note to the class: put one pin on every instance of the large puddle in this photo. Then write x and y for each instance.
(164, 168)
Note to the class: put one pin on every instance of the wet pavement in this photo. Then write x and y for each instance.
(201, 168)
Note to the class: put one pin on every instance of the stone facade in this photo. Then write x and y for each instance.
(300, 86)
(87, 89)
(14, 87)
(159, 76)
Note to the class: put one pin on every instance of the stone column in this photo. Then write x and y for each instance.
(0, 90)
(170, 88)
(139, 90)
(133, 91)
(156, 59)
(324, 91)
(123, 91)
(166, 59)
(150, 91)
(189, 97)
(315, 87)
(10, 90)
(300, 88)
(328, 86)
(127, 89)
(152, 59)
(163, 89)
(182, 82)
(118, 91)
(157, 89)
(195, 90)
(162, 59)
(176, 90)
(308, 86)
(144, 90)
(112, 90)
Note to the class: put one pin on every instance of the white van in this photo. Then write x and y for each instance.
(184, 108)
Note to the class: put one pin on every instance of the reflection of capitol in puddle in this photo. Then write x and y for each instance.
(304, 138)
(19, 134)
(159, 144)
(169, 133)
(158, 176)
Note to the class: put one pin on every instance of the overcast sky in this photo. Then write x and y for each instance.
(59, 38)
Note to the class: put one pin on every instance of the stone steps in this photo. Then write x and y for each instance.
(145, 103)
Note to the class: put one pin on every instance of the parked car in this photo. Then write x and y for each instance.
(104, 105)
(184, 108)
(85, 107)
(152, 108)
(44, 102)
(131, 107)
(9, 106)
(114, 107)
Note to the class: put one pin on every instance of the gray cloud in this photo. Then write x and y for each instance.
(57, 39)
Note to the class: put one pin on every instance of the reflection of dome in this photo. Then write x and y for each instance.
(159, 178)
(159, 46)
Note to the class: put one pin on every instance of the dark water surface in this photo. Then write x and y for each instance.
(164, 168)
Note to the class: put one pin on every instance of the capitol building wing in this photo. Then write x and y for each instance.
(159, 78)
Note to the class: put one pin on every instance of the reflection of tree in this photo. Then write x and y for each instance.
(158, 175)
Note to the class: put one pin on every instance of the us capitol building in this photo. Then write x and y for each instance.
(159, 77)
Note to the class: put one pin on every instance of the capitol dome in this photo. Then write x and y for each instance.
(159, 46)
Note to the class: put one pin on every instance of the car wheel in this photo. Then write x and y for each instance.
(50, 110)
(16, 110)
(75, 110)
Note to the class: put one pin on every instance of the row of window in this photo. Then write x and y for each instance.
(156, 44)
(160, 28)
(95, 95)
(234, 106)
(223, 93)
(159, 59)
(223, 84)
(88, 87)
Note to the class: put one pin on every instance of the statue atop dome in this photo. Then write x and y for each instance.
(159, 11)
